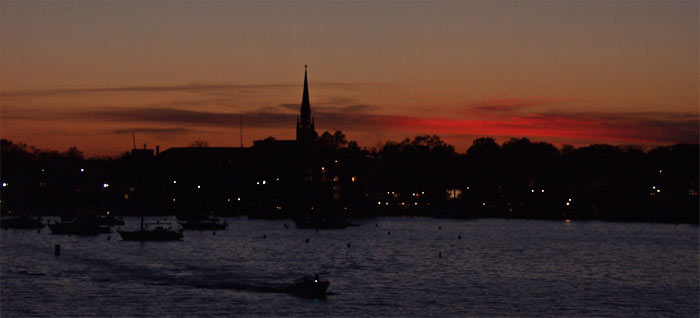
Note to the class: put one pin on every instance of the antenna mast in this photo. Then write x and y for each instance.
(133, 137)
(241, 130)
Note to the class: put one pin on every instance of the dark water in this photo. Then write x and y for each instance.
(497, 268)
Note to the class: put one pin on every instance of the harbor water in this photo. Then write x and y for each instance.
(384, 267)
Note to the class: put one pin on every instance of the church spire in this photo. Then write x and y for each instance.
(305, 105)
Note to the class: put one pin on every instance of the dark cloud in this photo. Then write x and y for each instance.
(509, 105)
(293, 107)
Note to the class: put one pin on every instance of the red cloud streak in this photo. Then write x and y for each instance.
(615, 129)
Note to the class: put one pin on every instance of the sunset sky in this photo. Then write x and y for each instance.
(87, 73)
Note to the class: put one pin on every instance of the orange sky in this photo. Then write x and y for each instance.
(86, 74)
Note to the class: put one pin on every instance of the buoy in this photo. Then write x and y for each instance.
(459, 237)
(38, 231)
(439, 254)
(307, 240)
(264, 236)
(348, 244)
(57, 249)
(439, 227)
(213, 233)
(109, 238)
(388, 233)
(376, 225)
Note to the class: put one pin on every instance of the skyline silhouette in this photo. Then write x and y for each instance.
(605, 74)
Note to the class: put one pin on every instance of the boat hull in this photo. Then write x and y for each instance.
(75, 229)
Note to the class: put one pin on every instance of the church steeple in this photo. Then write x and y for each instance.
(305, 119)
(305, 124)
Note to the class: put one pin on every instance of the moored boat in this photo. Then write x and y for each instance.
(21, 222)
(81, 225)
(157, 233)
(203, 224)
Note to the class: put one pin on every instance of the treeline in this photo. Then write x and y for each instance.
(419, 176)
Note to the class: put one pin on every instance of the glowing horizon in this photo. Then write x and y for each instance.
(87, 74)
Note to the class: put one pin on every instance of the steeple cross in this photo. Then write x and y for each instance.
(305, 67)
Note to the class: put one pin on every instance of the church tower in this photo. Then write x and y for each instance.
(306, 134)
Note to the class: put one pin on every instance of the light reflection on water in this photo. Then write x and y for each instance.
(497, 268)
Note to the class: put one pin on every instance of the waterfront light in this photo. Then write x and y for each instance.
(542, 190)
(567, 203)
(264, 181)
(105, 185)
(569, 199)
(82, 170)
(379, 202)
(4, 184)
(239, 199)
(199, 187)
(533, 190)
(174, 181)
(483, 203)
(658, 190)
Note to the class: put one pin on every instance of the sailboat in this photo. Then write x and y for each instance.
(158, 233)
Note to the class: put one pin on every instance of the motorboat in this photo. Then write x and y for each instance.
(310, 287)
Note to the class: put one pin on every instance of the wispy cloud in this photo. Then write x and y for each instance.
(510, 105)
(156, 131)
(214, 88)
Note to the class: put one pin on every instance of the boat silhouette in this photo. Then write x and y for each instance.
(157, 233)
(207, 223)
(80, 225)
(21, 222)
